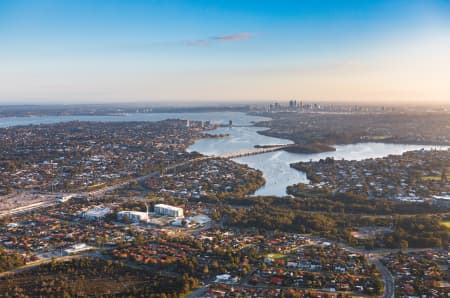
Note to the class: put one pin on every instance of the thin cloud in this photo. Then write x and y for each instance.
(190, 43)
(233, 37)
(219, 38)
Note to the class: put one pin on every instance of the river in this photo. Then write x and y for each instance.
(274, 165)
(216, 117)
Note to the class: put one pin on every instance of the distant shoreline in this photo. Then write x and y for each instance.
(42, 111)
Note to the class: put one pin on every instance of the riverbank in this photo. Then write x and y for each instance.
(350, 128)
(301, 148)
(414, 176)
(274, 165)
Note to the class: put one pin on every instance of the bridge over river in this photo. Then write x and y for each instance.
(250, 152)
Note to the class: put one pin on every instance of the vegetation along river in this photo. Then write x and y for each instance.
(242, 136)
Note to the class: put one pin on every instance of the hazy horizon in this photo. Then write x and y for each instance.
(222, 103)
(224, 52)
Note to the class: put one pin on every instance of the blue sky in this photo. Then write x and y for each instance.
(236, 51)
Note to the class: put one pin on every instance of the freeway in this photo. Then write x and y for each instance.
(27, 208)
(102, 191)
(39, 262)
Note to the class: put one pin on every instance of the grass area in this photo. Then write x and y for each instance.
(276, 256)
(434, 178)
(446, 224)
(378, 138)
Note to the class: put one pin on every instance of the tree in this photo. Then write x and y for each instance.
(403, 245)
(444, 175)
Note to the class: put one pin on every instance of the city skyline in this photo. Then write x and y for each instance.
(224, 51)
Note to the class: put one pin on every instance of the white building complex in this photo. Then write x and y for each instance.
(76, 248)
(96, 213)
(134, 216)
(173, 211)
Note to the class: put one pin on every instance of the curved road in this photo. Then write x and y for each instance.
(389, 284)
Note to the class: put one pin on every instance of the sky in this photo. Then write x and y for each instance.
(93, 51)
